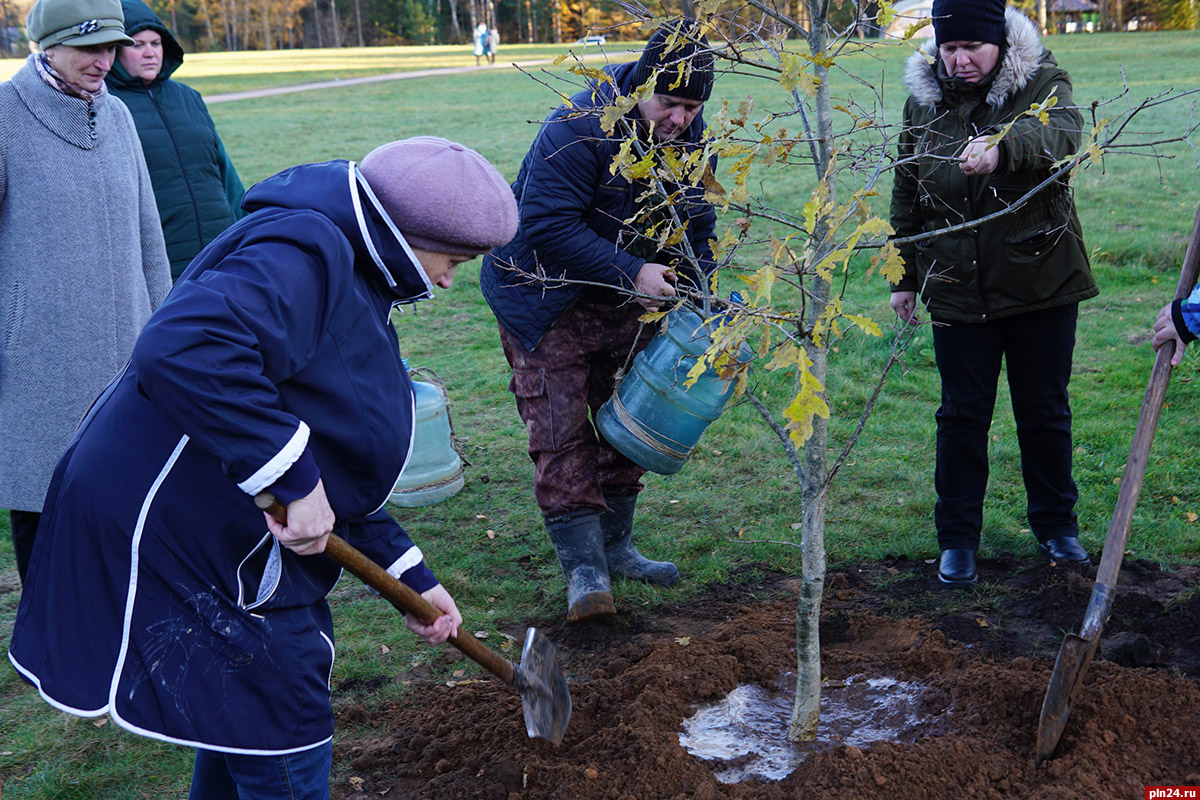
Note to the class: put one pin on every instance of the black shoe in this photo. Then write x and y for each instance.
(1064, 549)
(957, 567)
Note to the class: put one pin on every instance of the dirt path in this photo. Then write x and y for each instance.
(984, 660)
(391, 76)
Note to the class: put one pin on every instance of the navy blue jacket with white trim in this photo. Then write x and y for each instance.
(156, 593)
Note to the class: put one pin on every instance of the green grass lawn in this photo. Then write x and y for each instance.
(487, 543)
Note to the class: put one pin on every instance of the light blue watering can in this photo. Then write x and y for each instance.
(435, 470)
(653, 419)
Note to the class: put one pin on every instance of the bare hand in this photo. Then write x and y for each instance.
(978, 157)
(1164, 331)
(905, 306)
(309, 523)
(655, 280)
(444, 626)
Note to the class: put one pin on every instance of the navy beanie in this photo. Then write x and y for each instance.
(969, 21)
(698, 77)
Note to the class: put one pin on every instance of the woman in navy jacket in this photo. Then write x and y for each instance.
(158, 593)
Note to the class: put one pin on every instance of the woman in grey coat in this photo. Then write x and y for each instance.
(82, 260)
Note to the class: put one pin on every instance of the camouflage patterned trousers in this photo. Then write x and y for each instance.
(559, 388)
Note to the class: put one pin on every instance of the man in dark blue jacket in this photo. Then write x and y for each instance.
(564, 292)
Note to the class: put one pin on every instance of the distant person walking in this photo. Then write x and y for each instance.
(196, 187)
(82, 261)
(491, 45)
(480, 39)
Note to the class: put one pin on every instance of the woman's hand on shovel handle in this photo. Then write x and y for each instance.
(309, 523)
(1164, 331)
(444, 626)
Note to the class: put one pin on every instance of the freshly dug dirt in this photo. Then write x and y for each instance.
(985, 657)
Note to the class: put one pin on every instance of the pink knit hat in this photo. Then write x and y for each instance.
(442, 196)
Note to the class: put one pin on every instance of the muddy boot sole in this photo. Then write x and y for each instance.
(591, 606)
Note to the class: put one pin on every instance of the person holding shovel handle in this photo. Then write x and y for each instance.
(1006, 289)
(158, 592)
(1178, 322)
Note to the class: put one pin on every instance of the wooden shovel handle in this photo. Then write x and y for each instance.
(1139, 455)
(397, 593)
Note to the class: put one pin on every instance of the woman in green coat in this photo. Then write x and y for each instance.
(1006, 288)
(198, 191)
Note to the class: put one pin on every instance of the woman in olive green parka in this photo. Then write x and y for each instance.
(1003, 290)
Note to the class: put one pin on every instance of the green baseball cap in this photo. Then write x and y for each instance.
(77, 23)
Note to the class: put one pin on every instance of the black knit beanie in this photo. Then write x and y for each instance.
(968, 21)
(698, 78)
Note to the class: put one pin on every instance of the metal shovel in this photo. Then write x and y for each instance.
(1078, 649)
(545, 698)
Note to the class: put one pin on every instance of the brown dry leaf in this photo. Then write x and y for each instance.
(481, 516)
(458, 673)
(384, 649)
(1191, 516)
(481, 634)
(983, 623)
(100, 723)
(683, 641)
(592, 773)
(491, 534)
(356, 783)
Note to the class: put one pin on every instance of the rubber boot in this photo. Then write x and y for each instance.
(579, 545)
(623, 560)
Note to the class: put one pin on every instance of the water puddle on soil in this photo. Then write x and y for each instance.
(745, 735)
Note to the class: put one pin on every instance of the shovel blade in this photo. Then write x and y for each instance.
(1073, 659)
(545, 698)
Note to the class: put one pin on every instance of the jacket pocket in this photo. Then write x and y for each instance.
(1036, 229)
(533, 403)
(259, 573)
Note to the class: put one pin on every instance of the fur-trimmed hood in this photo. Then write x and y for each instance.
(1022, 58)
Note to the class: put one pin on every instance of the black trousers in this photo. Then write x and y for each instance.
(24, 529)
(1036, 349)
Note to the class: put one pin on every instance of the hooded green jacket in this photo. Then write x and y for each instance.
(196, 187)
(1028, 259)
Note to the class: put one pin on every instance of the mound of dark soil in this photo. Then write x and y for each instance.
(984, 656)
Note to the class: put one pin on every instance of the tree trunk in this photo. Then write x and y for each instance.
(806, 711)
(317, 21)
(266, 24)
(358, 21)
(337, 23)
(455, 30)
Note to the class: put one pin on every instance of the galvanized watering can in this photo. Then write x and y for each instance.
(435, 470)
(653, 419)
